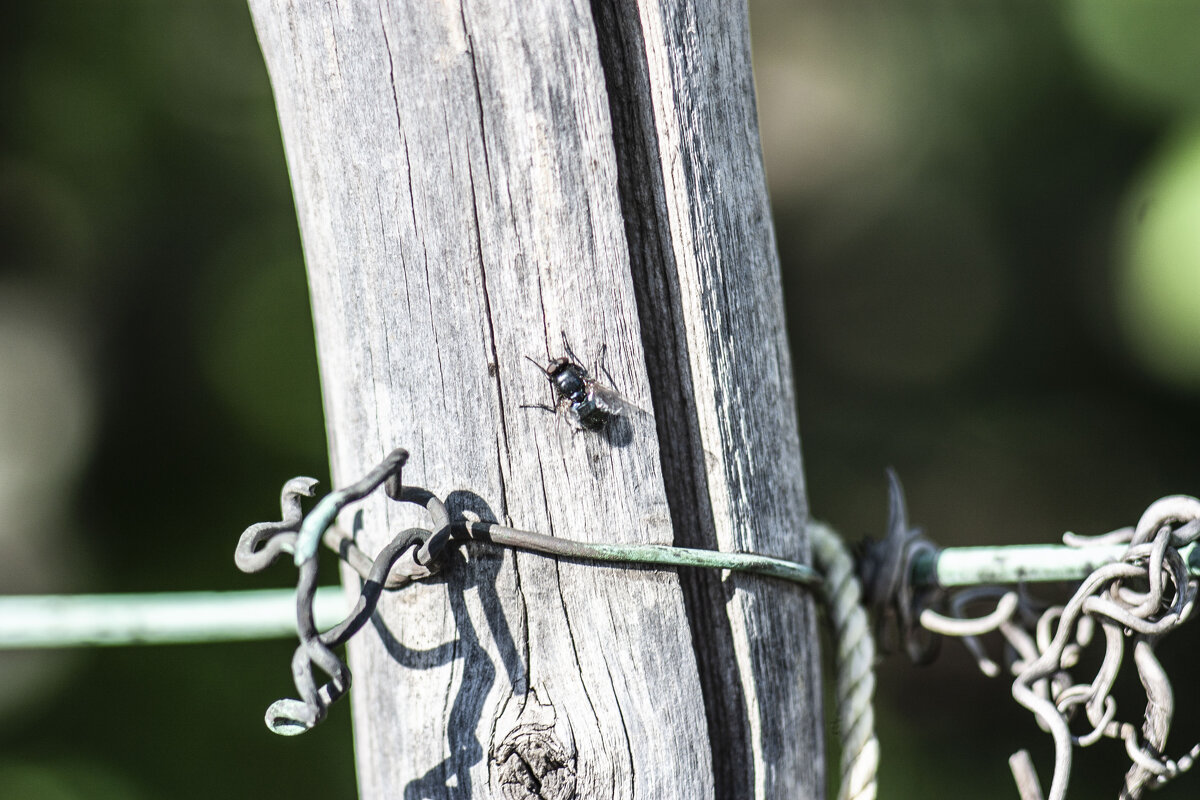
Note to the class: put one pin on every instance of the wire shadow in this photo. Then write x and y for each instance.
(478, 569)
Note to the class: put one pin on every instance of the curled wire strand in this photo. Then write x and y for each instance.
(262, 543)
(1133, 602)
(411, 555)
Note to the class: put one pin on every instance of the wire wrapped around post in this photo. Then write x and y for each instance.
(401, 562)
(262, 543)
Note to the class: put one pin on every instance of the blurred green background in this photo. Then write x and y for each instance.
(989, 221)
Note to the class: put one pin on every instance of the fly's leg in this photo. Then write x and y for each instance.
(570, 353)
(561, 419)
(603, 370)
(598, 367)
(541, 406)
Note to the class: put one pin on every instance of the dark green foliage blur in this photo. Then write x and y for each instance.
(989, 221)
(146, 224)
(982, 214)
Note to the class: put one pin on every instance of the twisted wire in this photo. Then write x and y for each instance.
(854, 663)
(260, 544)
(411, 555)
(1134, 601)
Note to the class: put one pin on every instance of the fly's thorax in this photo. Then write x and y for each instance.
(569, 379)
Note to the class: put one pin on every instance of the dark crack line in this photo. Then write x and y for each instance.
(387, 43)
(624, 727)
(462, 12)
(575, 652)
(642, 192)
(491, 325)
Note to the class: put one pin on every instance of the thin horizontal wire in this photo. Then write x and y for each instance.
(1029, 563)
(182, 617)
(169, 618)
(35, 621)
(653, 554)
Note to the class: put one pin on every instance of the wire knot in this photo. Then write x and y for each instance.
(412, 554)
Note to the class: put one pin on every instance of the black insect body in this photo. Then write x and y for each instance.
(582, 395)
(593, 405)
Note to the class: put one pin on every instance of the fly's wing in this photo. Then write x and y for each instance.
(616, 403)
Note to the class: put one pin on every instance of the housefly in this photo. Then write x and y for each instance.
(593, 405)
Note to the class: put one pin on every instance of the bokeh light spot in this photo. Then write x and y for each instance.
(1159, 285)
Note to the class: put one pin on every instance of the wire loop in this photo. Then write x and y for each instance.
(1134, 602)
(414, 554)
(261, 543)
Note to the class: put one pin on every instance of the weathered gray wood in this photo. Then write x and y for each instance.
(471, 181)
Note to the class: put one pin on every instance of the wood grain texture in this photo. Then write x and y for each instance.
(472, 181)
(689, 123)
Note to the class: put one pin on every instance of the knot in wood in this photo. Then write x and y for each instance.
(531, 764)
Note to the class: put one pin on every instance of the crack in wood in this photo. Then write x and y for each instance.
(640, 185)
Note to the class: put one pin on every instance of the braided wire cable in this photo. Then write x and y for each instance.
(854, 663)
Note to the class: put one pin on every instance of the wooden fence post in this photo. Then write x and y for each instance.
(473, 181)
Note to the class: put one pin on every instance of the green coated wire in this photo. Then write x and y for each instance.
(34, 621)
(665, 555)
(1028, 563)
(637, 554)
(178, 617)
(181, 617)
(316, 522)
